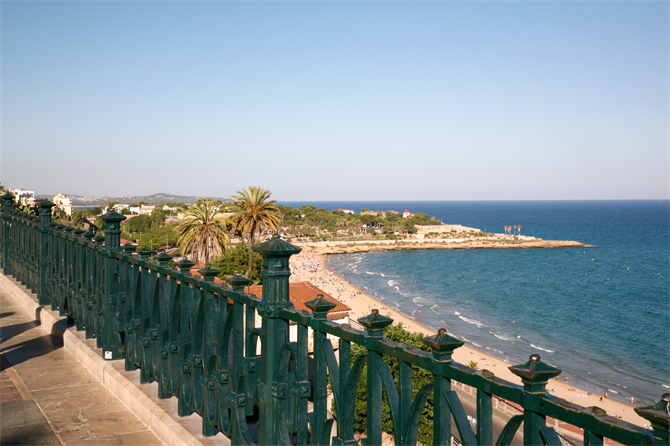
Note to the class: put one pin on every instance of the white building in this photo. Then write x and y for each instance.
(63, 203)
(147, 209)
(24, 197)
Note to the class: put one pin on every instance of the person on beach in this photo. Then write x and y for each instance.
(606, 395)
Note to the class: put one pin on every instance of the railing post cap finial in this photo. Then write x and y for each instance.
(320, 306)
(185, 265)
(112, 216)
(45, 204)
(535, 371)
(209, 273)
(144, 251)
(375, 322)
(276, 247)
(238, 281)
(128, 247)
(657, 413)
(442, 343)
(163, 258)
(7, 196)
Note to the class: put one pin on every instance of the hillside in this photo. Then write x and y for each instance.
(78, 200)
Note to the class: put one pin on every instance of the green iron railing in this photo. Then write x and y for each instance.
(198, 340)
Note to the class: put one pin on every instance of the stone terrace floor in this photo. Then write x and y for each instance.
(47, 397)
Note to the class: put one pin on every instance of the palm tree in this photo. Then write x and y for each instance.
(202, 233)
(518, 229)
(254, 212)
(514, 229)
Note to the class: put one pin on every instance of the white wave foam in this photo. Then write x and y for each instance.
(540, 348)
(613, 391)
(667, 387)
(436, 309)
(476, 345)
(421, 301)
(383, 275)
(457, 313)
(479, 324)
(494, 350)
(392, 282)
(503, 336)
(368, 272)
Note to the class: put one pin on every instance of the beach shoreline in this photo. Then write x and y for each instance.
(310, 266)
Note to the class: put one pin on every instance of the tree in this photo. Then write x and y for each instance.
(202, 233)
(253, 211)
(235, 260)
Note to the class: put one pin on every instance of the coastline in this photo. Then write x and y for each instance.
(348, 247)
(309, 266)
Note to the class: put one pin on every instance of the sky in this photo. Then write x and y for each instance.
(337, 100)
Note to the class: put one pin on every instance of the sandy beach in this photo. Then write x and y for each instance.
(310, 267)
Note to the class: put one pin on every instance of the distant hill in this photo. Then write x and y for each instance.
(78, 200)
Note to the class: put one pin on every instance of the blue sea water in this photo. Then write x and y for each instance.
(601, 314)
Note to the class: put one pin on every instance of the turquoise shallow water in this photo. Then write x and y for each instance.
(602, 314)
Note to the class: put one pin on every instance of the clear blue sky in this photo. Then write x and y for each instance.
(335, 101)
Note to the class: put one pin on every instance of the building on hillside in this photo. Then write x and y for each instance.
(146, 209)
(24, 197)
(348, 211)
(134, 209)
(120, 207)
(63, 203)
(407, 214)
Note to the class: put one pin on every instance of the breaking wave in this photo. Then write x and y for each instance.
(479, 324)
(540, 348)
(421, 301)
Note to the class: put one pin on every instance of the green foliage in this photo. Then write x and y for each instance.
(203, 233)
(420, 377)
(254, 211)
(236, 261)
(473, 365)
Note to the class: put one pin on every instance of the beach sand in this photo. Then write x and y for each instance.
(309, 267)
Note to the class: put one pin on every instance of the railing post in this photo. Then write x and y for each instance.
(7, 203)
(45, 221)
(110, 344)
(658, 415)
(320, 425)
(443, 347)
(274, 332)
(374, 324)
(534, 374)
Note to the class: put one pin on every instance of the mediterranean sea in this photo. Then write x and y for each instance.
(601, 313)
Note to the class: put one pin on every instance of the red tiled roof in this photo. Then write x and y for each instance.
(301, 292)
